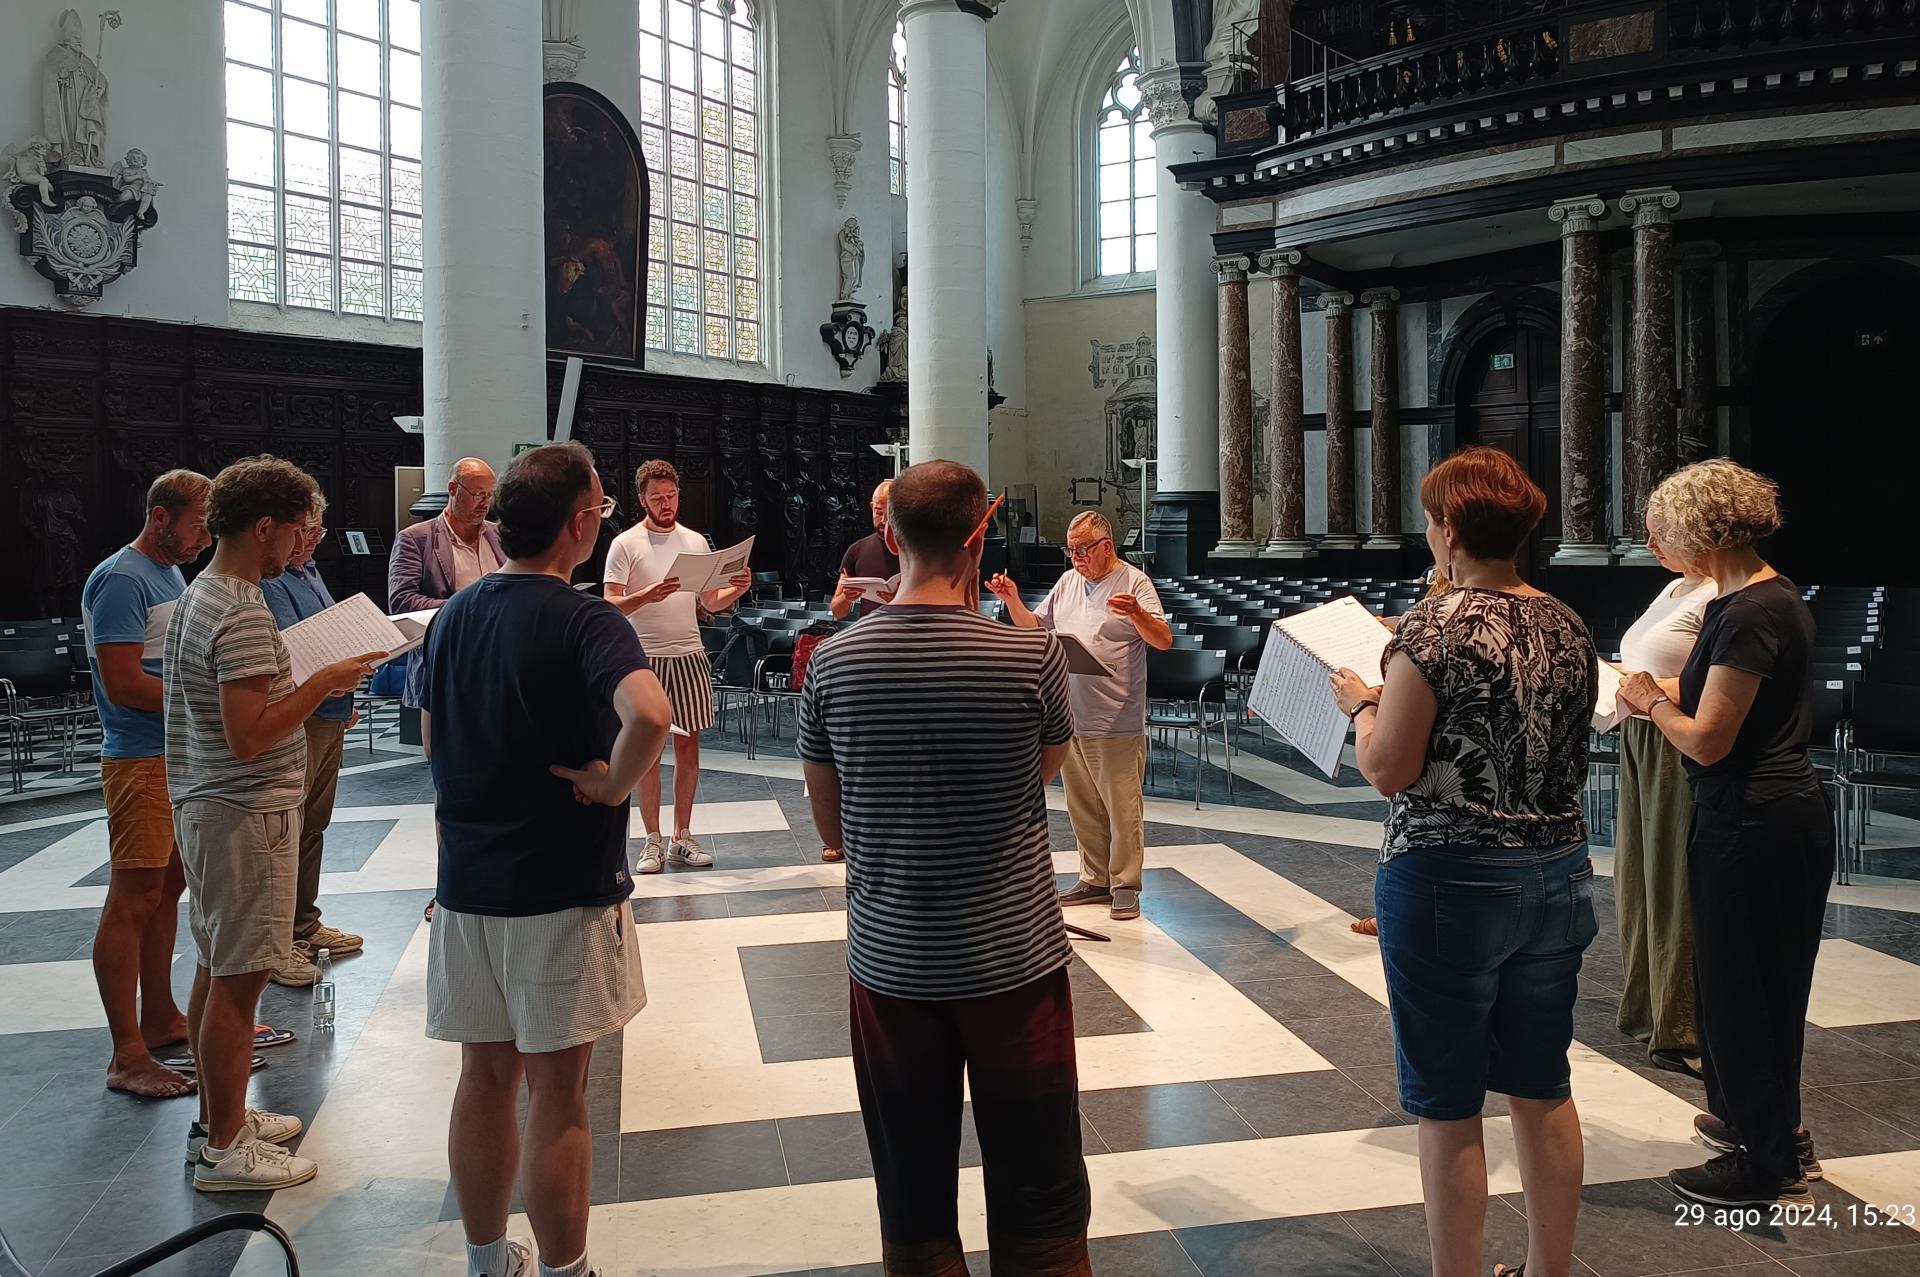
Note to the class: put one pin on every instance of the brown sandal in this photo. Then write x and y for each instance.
(832, 855)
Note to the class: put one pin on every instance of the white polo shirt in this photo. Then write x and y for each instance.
(1105, 706)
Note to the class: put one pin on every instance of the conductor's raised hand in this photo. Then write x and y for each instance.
(1003, 587)
(660, 590)
(591, 783)
(344, 676)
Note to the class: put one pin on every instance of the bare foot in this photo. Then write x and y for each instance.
(1366, 927)
(171, 1033)
(149, 1079)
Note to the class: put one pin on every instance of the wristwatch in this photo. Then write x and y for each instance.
(1362, 705)
(1656, 701)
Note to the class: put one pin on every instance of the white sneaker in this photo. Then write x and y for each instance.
(252, 1165)
(653, 856)
(687, 851)
(519, 1260)
(274, 1128)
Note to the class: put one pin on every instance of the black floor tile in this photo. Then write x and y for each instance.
(1140, 1255)
(1314, 997)
(38, 1221)
(1896, 1103)
(1629, 1230)
(1833, 1059)
(814, 957)
(150, 1203)
(1360, 1040)
(803, 1037)
(1900, 1039)
(1835, 1225)
(700, 1159)
(747, 904)
(1399, 1234)
(829, 1146)
(1596, 1022)
(1137, 1117)
(1303, 1103)
(1323, 1245)
(797, 995)
(1898, 1261)
(1270, 959)
(1097, 1009)
(676, 908)
(1841, 1130)
(79, 1131)
(16, 1089)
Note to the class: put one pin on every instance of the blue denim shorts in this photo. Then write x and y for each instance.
(1482, 947)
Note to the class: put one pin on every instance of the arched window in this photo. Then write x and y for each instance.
(323, 155)
(700, 126)
(1124, 175)
(897, 112)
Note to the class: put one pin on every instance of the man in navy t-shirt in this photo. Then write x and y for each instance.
(539, 713)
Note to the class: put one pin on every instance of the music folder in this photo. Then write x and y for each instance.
(1292, 691)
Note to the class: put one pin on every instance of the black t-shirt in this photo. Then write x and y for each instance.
(1763, 629)
(520, 674)
(869, 556)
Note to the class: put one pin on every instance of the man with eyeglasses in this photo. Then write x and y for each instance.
(541, 712)
(292, 597)
(437, 557)
(1112, 607)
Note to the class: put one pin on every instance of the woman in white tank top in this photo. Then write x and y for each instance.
(1650, 853)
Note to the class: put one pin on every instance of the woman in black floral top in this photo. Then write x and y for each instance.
(1478, 738)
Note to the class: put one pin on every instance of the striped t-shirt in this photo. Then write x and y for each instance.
(934, 719)
(222, 632)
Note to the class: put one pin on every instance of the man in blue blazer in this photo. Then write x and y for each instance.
(437, 556)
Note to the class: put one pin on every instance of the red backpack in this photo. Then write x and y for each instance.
(803, 644)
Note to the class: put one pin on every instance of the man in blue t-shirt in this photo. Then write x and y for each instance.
(292, 597)
(539, 713)
(133, 947)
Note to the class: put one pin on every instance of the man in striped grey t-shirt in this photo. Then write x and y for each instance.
(237, 772)
(928, 735)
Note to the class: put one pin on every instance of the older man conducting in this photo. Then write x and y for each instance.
(1112, 607)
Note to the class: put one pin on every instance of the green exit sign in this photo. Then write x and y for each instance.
(519, 448)
(1502, 363)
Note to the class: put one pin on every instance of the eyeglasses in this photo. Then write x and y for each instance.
(1078, 552)
(605, 508)
(484, 498)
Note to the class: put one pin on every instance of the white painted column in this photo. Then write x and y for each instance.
(1186, 317)
(947, 230)
(484, 341)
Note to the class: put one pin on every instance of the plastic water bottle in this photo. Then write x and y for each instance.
(323, 991)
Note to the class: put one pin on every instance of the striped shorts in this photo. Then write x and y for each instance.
(688, 682)
(545, 982)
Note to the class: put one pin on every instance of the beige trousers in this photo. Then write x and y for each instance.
(1103, 777)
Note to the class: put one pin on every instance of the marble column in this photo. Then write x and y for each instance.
(484, 333)
(1383, 530)
(1286, 431)
(947, 232)
(1340, 503)
(1649, 442)
(1583, 386)
(1236, 413)
(1699, 429)
(1185, 522)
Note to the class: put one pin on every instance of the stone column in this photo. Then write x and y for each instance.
(1699, 428)
(484, 331)
(1286, 433)
(1649, 442)
(1383, 304)
(1236, 413)
(1583, 386)
(1185, 521)
(947, 231)
(1340, 516)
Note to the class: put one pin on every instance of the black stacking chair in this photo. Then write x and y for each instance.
(1884, 723)
(1182, 683)
(38, 686)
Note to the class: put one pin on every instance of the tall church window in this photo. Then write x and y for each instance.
(1124, 175)
(897, 111)
(701, 126)
(323, 155)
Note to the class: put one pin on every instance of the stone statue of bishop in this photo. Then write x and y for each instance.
(74, 98)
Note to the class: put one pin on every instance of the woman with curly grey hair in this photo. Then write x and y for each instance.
(1760, 854)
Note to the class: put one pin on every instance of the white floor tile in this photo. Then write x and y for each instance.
(46, 997)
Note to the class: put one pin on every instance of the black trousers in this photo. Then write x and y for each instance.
(1758, 874)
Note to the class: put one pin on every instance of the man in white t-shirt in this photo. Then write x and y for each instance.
(667, 620)
(1111, 606)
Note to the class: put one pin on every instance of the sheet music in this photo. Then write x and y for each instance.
(154, 644)
(699, 573)
(1292, 692)
(350, 628)
(1080, 658)
(872, 586)
(1607, 712)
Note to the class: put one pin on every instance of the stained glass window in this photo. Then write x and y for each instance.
(699, 122)
(1124, 175)
(897, 112)
(323, 155)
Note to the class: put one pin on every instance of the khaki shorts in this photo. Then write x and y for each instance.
(242, 871)
(544, 983)
(139, 813)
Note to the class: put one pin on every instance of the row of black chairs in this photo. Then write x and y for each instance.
(48, 696)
